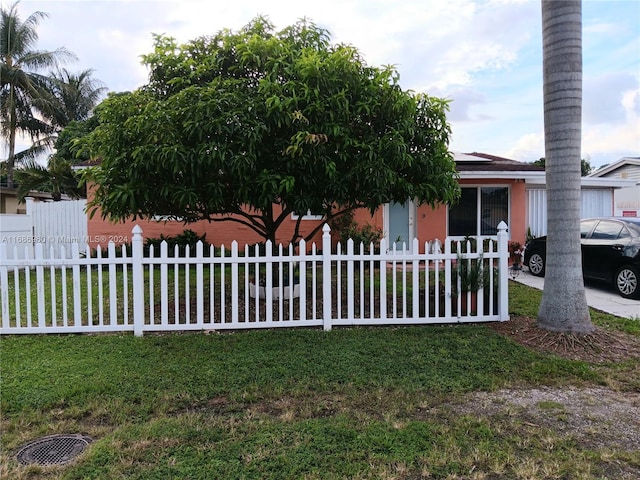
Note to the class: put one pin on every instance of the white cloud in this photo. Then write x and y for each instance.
(604, 97)
(616, 139)
(528, 148)
(596, 26)
(462, 102)
(609, 143)
(631, 104)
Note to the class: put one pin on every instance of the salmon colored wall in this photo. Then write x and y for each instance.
(431, 224)
(518, 227)
(102, 231)
(363, 217)
(217, 233)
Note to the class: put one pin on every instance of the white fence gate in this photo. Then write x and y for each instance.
(215, 289)
(53, 224)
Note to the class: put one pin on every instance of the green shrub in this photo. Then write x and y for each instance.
(347, 228)
(188, 238)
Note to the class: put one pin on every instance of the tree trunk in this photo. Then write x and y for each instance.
(12, 138)
(564, 304)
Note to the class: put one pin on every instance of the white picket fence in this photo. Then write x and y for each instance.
(217, 289)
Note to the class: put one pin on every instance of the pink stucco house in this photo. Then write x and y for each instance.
(494, 189)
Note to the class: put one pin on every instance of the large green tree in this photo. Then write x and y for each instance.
(241, 121)
(26, 100)
(69, 144)
(564, 304)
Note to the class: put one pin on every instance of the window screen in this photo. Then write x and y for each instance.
(479, 211)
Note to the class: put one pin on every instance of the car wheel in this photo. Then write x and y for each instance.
(626, 282)
(536, 264)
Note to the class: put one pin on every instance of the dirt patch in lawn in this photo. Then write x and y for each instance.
(597, 347)
(597, 418)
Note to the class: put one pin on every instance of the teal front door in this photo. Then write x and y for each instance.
(400, 220)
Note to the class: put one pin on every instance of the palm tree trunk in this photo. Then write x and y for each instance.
(12, 138)
(564, 304)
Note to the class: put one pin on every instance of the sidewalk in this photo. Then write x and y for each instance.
(599, 296)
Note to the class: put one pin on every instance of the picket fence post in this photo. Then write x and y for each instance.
(137, 253)
(326, 277)
(503, 269)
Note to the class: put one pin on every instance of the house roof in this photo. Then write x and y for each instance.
(482, 162)
(481, 166)
(87, 163)
(623, 162)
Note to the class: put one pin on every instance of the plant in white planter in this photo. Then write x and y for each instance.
(258, 289)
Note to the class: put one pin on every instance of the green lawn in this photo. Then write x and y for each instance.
(298, 404)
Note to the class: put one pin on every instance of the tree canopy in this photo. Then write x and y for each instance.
(76, 96)
(585, 165)
(238, 122)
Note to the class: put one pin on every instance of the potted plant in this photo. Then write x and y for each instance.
(515, 253)
(290, 286)
(469, 275)
(515, 258)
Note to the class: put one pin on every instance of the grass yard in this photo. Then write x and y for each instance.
(446, 402)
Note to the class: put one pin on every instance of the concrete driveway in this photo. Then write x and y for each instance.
(599, 296)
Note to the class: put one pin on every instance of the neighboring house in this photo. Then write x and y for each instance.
(9, 200)
(626, 200)
(494, 189)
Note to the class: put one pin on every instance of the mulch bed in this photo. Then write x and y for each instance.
(599, 346)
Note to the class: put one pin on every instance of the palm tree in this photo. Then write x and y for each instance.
(564, 304)
(57, 177)
(26, 98)
(73, 98)
(77, 94)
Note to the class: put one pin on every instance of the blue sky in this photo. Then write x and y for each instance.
(484, 55)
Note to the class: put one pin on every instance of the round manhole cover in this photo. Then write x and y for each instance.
(53, 450)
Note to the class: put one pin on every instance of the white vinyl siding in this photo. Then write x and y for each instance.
(595, 203)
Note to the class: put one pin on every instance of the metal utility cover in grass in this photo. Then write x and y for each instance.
(53, 449)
